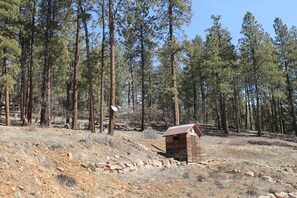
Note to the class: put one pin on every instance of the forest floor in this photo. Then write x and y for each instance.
(56, 162)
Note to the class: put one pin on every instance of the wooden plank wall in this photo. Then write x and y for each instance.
(176, 147)
(184, 147)
(193, 148)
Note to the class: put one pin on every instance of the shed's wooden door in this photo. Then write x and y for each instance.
(194, 148)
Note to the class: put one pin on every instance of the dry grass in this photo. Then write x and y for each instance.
(59, 162)
(32, 127)
(150, 134)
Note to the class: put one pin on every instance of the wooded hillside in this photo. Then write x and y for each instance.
(81, 59)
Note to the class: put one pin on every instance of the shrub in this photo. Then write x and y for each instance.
(66, 180)
(109, 142)
(150, 134)
(56, 146)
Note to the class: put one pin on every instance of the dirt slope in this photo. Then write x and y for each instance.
(37, 162)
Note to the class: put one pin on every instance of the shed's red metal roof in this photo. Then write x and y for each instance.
(180, 129)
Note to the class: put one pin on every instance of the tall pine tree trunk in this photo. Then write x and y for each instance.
(258, 116)
(68, 103)
(23, 104)
(150, 102)
(254, 111)
(195, 100)
(6, 89)
(102, 69)
(142, 80)
(241, 117)
(173, 68)
(236, 109)
(281, 118)
(132, 85)
(249, 108)
(223, 108)
(131, 98)
(246, 110)
(270, 113)
(45, 119)
(112, 70)
(31, 67)
(129, 95)
(275, 117)
(218, 116)
(75, 71)
(266, 110)
(7, 111)
(203, 100)
(90, 79)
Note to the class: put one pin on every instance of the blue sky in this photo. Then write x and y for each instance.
(233, 11)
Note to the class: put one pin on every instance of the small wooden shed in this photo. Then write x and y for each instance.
(183, 142)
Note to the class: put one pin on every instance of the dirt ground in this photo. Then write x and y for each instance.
(54, 162)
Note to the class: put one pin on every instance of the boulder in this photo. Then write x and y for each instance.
(271, 195)
(250, 173)
(172, 162)
(293, 194)
(139, 164)
(166, 163)
(156, 163)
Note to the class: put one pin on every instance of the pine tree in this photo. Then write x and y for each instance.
(103, 46)
(164, 78)
(129, 37)
(31, 67)
(24, 45)
(293, 51)
(75, 68)
(282, 42)
(9, 52)
(220, 55)
(178, 13)
(257, 57)
(112, 67)
(194, 80)
(52, 15)
(85, 17)
(139, 21)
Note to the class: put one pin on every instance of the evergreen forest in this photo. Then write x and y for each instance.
(119, 61)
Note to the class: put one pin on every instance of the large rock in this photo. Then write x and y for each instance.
(156, 163)
(139, 164)
(250, 173)
(113, 167)
(166, 163)
(173, 162)
(293, 194)
(130, 167)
